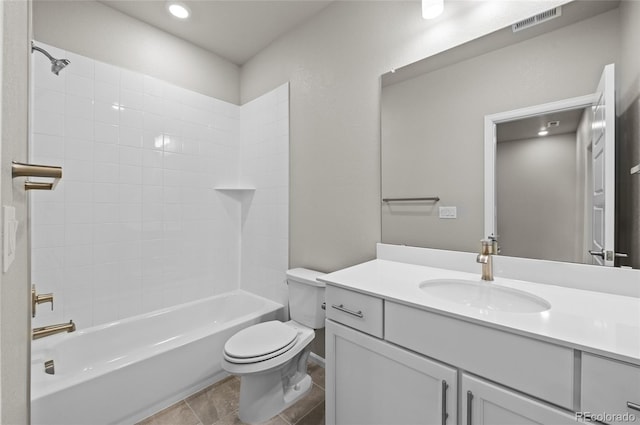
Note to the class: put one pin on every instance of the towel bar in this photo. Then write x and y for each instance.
(19, 169)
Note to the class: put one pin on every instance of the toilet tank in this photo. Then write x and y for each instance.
(306, 296)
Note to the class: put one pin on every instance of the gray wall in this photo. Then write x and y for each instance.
(433, 125)
(92, 29)
(334, 63)
(15, 317)
(536, 188)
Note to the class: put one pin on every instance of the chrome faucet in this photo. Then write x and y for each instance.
(53, 329)
(488, 250)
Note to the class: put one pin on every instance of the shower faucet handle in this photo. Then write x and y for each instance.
(39, 299)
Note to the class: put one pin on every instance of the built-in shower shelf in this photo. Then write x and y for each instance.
(235, 189)
(242, 194)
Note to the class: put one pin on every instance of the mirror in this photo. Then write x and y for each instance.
(432, 131)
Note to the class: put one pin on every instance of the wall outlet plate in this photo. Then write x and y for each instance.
(448, 212)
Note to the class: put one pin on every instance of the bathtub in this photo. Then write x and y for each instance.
(124, 371)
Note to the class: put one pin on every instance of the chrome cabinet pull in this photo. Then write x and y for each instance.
(445, 415)
(469, 406)
(342, 308)
(634, 406)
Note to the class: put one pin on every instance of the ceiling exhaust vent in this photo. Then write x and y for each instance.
(537, 19)
(551, 124)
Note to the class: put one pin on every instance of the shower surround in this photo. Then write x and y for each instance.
(141, 219)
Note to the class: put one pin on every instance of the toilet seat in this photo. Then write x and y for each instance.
(304, 335)
(260, 342)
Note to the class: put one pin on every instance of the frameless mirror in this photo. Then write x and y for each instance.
(433, 127)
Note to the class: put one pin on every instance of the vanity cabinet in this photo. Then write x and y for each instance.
(389, 362)
(610, 390)
(485, 403)
(370, 381)
(385, 365)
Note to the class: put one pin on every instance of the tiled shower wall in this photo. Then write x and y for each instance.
(136, 223)
(264, 164)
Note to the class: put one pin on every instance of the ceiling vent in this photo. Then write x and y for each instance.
(551, 124)
(537, 19)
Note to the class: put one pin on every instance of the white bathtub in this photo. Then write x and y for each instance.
(124, 371)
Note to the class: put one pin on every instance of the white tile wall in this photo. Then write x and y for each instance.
(264, 164)
(135, 224)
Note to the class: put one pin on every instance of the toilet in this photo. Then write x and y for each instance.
(271, 357)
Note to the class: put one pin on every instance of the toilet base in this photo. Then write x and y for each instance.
(262, 397)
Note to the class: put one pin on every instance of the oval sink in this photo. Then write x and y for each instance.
(485, 296)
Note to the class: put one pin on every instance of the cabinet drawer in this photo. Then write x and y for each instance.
(534, 367)
(356, 310)
(610, 387)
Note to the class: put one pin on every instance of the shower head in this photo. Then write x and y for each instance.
(57, 65)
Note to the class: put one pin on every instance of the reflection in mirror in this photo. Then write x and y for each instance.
(432, 126)
(543, 178)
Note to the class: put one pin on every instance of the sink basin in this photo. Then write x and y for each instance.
(485, 296)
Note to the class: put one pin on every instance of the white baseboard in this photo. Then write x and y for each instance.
(314, 358)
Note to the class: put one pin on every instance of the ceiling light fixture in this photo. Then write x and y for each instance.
(432, 8)
(543, 133)
(179, 10)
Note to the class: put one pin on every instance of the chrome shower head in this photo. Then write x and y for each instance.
(57, 65)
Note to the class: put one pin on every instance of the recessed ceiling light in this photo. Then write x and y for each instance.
(543, 133)
(178, 10)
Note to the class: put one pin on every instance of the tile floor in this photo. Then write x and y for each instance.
(218, 405)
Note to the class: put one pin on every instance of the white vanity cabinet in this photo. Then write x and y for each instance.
(520, 351)
(385, 365)
(370, 381)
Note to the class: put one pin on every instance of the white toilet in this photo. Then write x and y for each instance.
(271, 357)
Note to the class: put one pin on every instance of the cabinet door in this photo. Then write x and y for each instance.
(370, 381)
(610, 390)
(488, 404)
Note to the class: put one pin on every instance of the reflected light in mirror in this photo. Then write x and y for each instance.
(178, 10)
(432, 8)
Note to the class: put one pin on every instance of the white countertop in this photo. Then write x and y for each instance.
(590, 321)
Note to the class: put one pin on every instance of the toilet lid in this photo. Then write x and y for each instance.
(260, 342)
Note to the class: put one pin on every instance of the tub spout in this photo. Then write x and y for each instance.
(53, 329)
